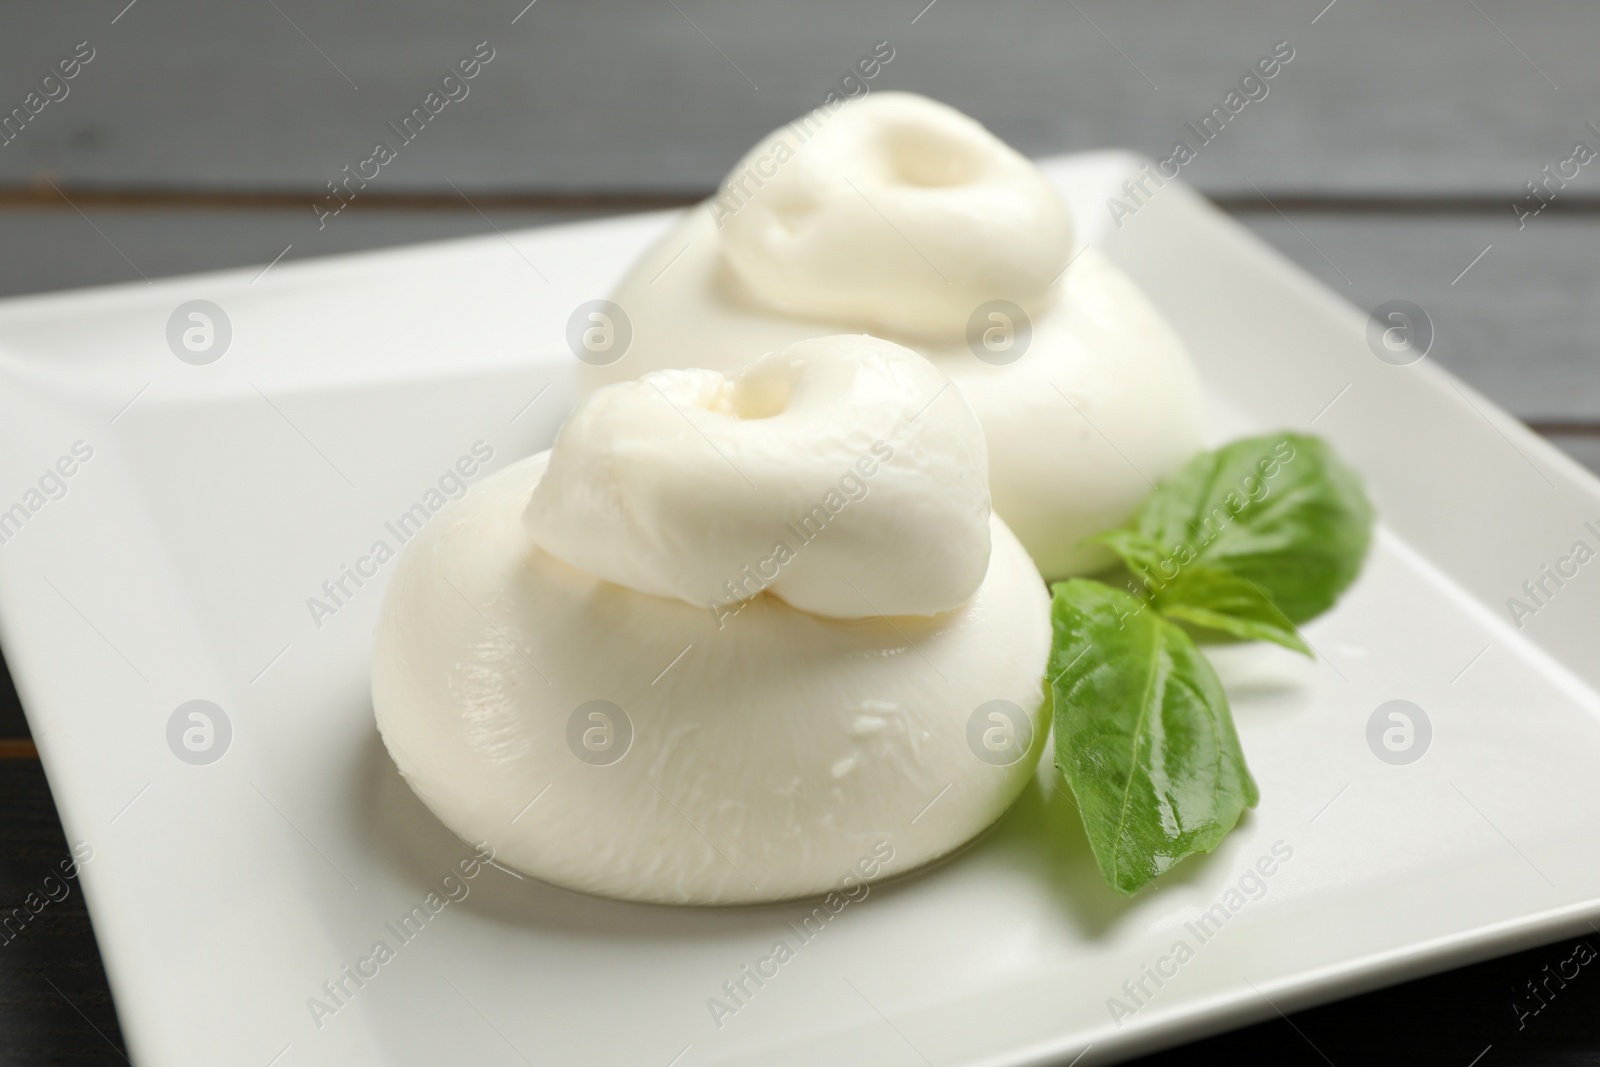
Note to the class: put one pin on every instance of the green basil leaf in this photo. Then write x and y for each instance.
(1218, 600)
(1142, 734)
(1142, 554)
(1280, 511)
(1203, 596)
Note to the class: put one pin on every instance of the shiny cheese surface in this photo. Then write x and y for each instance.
(770, 749)
(851, 231)
(561, 672)
(840, 474)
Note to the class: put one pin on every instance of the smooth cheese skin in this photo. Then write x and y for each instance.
(852, 231)
(771, 749)
(969, 219)
(699, 485)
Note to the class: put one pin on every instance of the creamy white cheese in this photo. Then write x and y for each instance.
(968, 220)
(698, 486)
(900, 216)
(640, 733)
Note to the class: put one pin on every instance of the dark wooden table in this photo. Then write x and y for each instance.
(1390, 158)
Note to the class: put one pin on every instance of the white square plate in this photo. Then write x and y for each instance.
(219, 498)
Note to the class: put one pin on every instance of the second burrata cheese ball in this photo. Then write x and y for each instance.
(904, 218)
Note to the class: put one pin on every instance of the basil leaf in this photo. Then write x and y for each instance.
(1218, 600)
(1142, 734)
(1143, 555)
(1280, 511)
(1207, 597)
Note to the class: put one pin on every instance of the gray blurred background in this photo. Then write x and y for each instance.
(1387, 155)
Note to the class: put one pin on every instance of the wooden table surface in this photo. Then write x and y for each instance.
(1389, 158)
